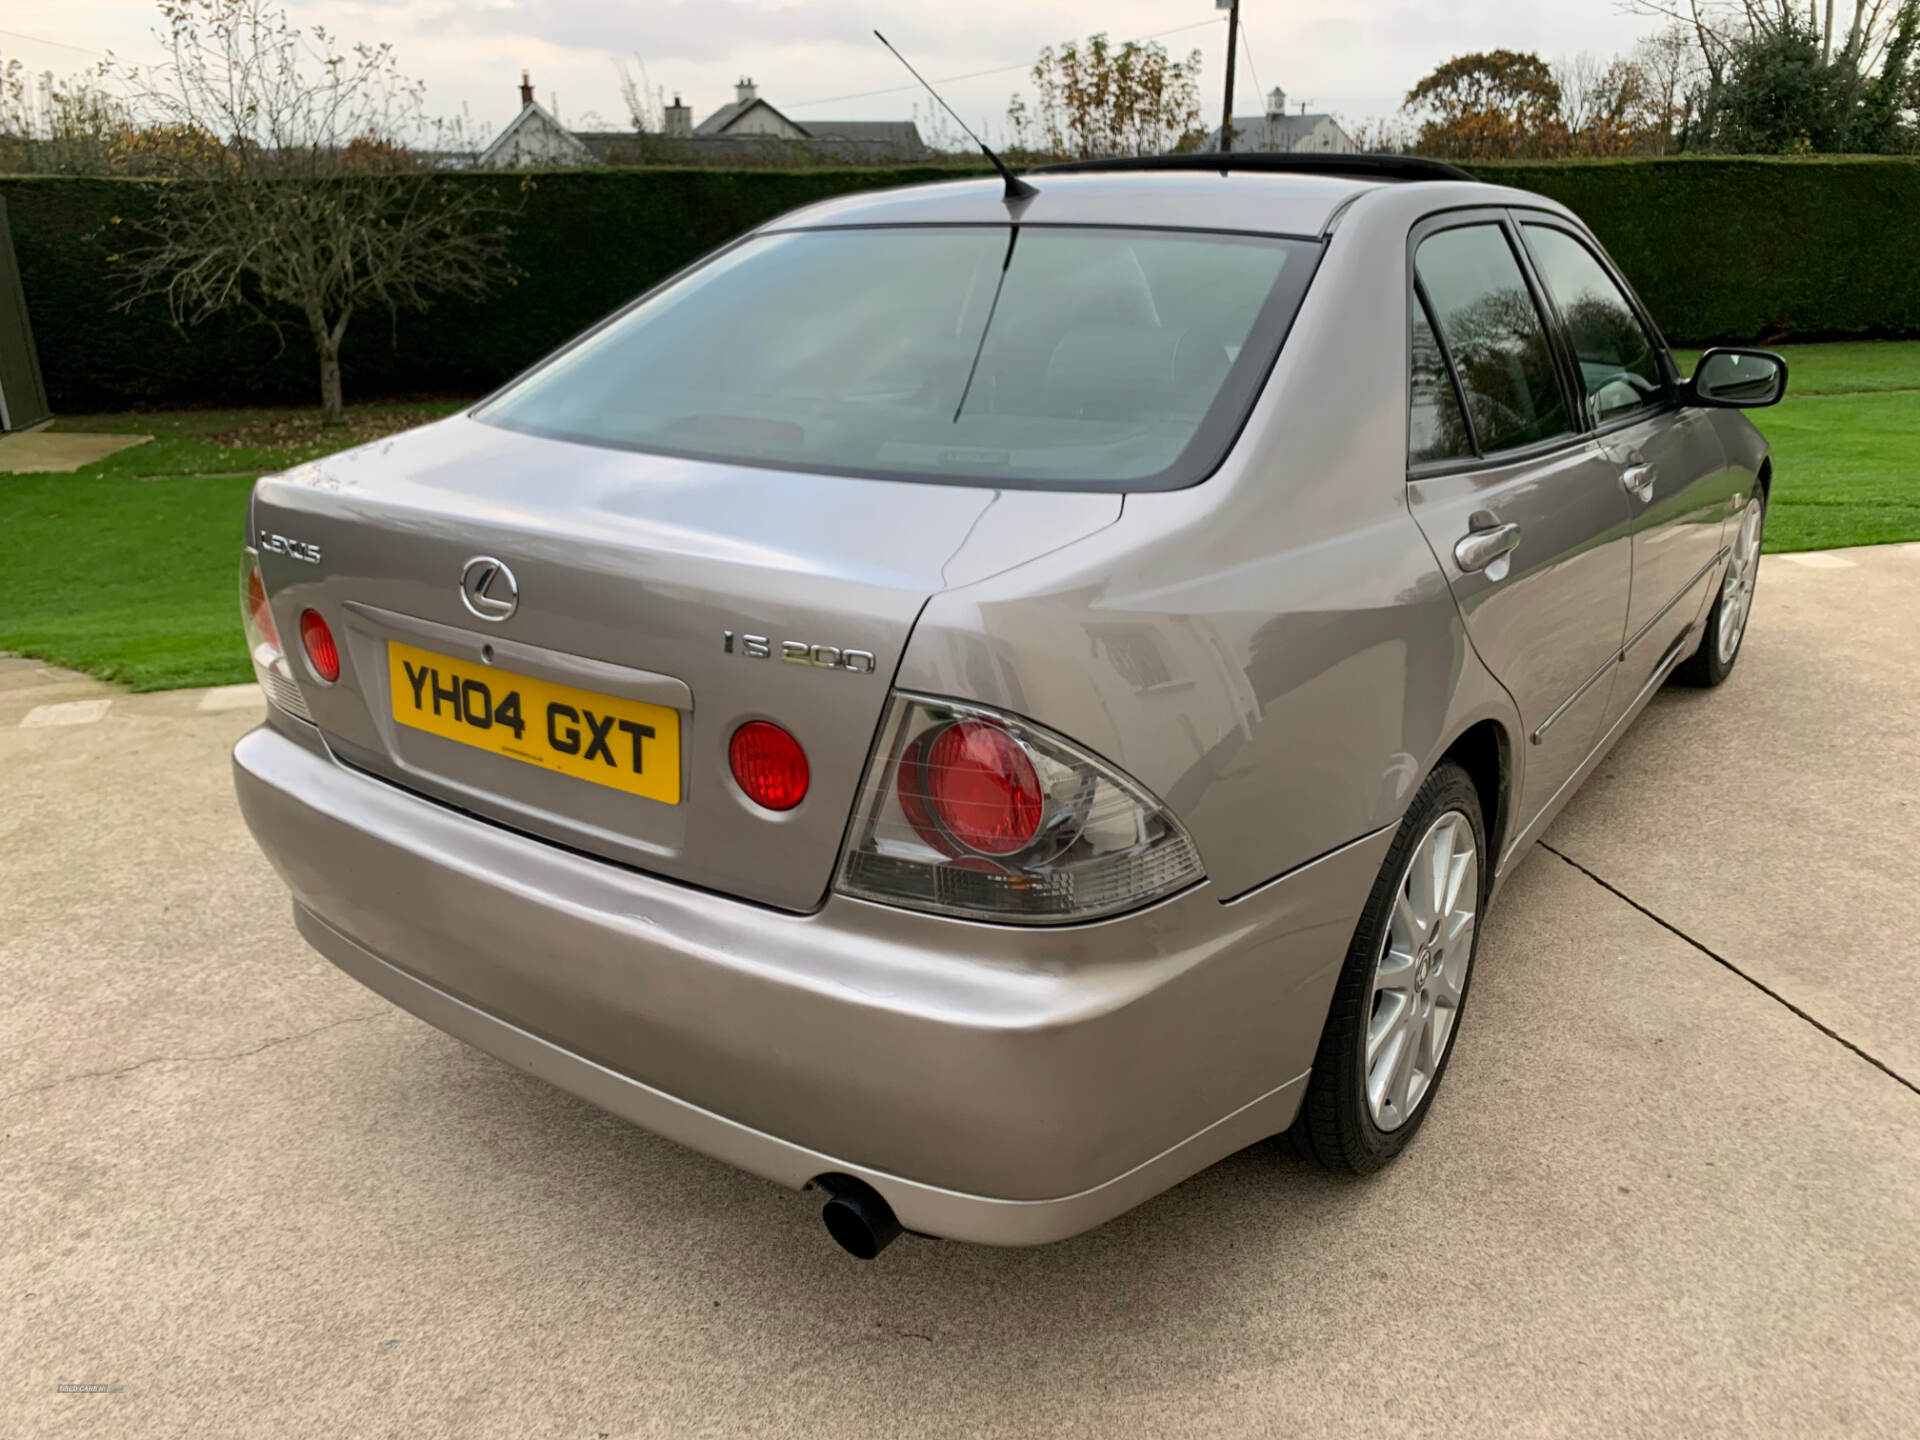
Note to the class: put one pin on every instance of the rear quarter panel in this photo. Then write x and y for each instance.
(1274, 651)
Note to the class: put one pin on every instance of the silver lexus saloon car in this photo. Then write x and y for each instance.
(985, 703)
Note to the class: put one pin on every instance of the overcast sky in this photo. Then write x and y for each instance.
(1355, 58)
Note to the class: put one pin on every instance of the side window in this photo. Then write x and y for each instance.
(1619, 363)
(1436, 428)
(1496, 336)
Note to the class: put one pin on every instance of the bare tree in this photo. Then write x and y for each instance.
(1098, 99)
(64, 126)
(1673, 74)
(299, 189)
(1606, 107)
(646, 103)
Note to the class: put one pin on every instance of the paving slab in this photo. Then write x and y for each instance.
(28, 452)
(1776, 819)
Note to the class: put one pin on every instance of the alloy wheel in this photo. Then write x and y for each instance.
(1420, 974)
(1736, 591)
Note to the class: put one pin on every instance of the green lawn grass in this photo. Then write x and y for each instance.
(1846, 445)
(127, 568)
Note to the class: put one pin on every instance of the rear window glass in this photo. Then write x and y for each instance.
(1122, 359)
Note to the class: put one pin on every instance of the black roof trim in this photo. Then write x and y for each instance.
(1371, 167)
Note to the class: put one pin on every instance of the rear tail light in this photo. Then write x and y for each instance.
(968, 812)
(769, 765)
(322, 653)
(270, 666)
(255, 611)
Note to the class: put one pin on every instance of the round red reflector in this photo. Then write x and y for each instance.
(769, 765)
(321, 650)
(983, 788)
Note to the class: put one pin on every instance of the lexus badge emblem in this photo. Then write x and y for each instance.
(488, 589)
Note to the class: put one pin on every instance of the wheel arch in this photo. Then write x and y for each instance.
(1485, 751)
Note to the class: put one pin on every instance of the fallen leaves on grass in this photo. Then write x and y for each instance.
(279, 430)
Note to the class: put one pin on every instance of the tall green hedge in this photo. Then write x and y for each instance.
(1748, 248)
(1721, 249)
(584, 243)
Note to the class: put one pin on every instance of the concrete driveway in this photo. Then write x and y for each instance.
(1673, 1186)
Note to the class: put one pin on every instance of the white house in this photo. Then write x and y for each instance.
(1279, 133)
(533, 139)
(746, 130)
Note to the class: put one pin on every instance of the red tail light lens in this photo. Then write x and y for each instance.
(769, 765)
(322, 653)
(983, 788)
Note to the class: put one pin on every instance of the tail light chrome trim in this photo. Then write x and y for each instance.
(1100, 844)
(264, 646)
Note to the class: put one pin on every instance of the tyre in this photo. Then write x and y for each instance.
(1726, 623)
(1397, 1006)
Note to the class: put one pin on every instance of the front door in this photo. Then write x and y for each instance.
(1525, 513)
(1668, 460)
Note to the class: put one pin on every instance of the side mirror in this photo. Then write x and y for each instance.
(1737, 379)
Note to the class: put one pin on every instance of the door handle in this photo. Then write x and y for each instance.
(1487, 549)
(1637, 480)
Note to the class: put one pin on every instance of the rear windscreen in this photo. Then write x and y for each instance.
(1048, 356)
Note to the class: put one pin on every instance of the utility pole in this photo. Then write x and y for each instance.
(1232, 7)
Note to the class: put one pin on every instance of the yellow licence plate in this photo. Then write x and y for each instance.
(628, 744)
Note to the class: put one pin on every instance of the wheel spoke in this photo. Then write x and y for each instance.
(1395, 970)
(1440, 866)
(1401, 1083)
(1383, 1070)
(1421, 898)
(1404, 928)
(1454, 876)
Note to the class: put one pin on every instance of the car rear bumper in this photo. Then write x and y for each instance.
(995, 1084)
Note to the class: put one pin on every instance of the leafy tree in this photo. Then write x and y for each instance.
(1784, 76)
(296, 192)
(1094, 99)
(1778, 95)
(1496, 105)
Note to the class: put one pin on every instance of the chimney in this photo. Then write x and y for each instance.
(679, 120)
(526, 90)
(745, 91)
(1276, 103)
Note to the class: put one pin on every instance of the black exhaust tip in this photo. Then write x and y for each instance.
(857, 1216)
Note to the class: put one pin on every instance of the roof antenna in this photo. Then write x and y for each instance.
(1017, 189)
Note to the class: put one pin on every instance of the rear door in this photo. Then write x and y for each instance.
(1667, 460)
(1524, 511)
